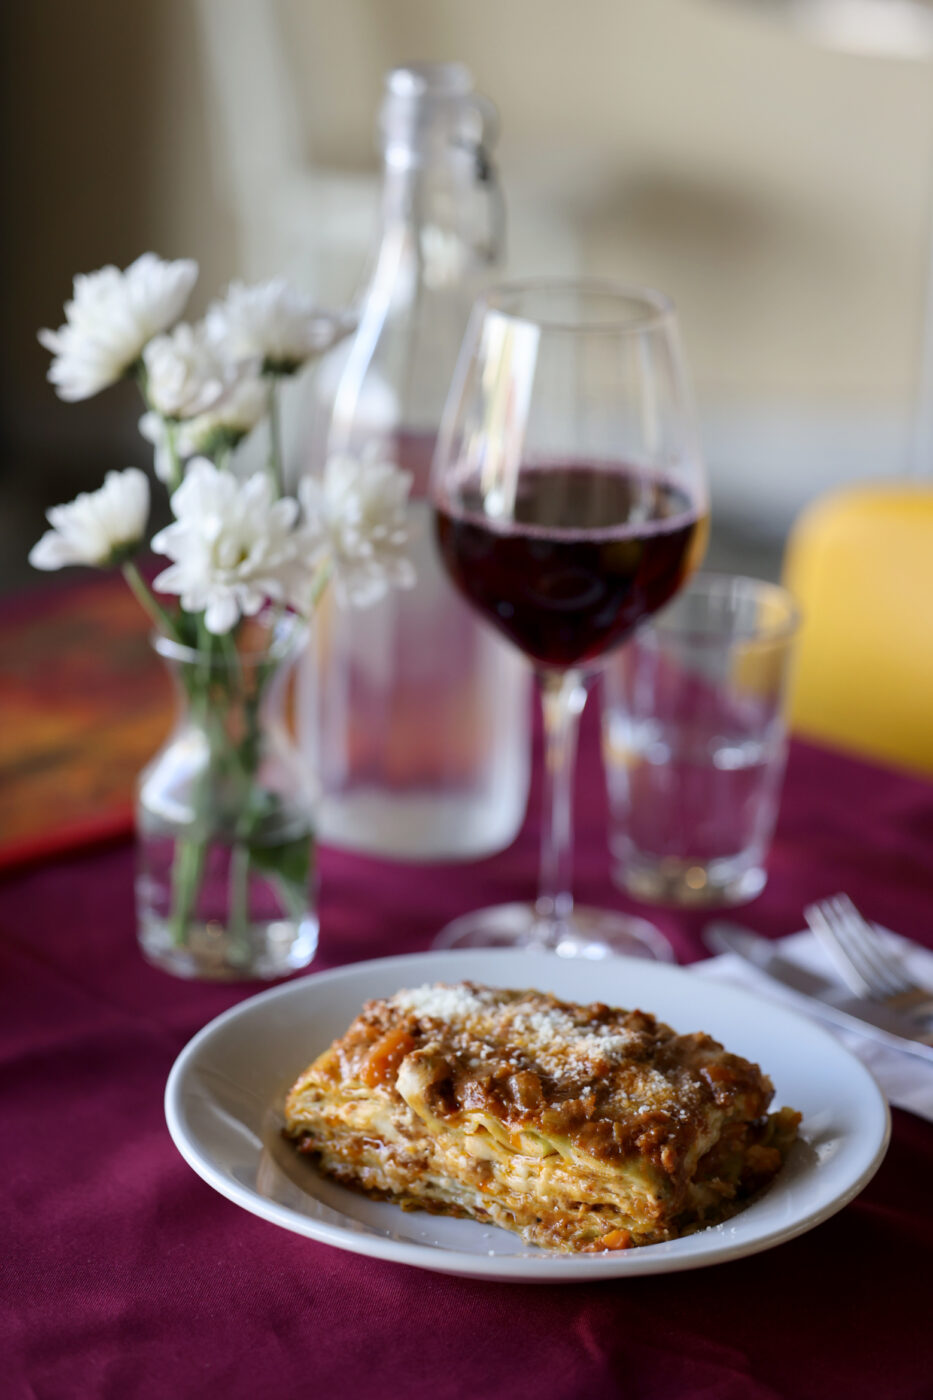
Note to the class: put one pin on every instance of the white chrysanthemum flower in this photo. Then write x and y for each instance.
(231, 420)
(275, 323)
(225, 425)
(357, 512)
(98, 527)
(185, 376)
(233, 547)
(110, 319)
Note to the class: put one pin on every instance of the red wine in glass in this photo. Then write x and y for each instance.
(569, 497)
(588, 550)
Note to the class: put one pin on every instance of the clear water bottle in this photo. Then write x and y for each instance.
(414, 716)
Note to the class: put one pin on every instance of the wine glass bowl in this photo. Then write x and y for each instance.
(570, 503)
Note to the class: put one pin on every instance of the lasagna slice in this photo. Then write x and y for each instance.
(579, 1127)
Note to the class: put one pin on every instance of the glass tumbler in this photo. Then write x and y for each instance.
(695, 742)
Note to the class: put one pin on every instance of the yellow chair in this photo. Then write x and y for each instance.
(860, 563)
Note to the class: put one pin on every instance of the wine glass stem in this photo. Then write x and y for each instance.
(563, 695)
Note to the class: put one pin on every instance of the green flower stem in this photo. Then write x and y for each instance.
(191, 850)
(187, 873)
(238, 886)
(319, 583)
(229, 648)
(171, 443)
(246, 756)
(225, 756)
(138, 372)
(274, 462)
(291, 883)
(206, 655)
(145, 596)
(227, 803)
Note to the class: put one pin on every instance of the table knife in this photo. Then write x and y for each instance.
(821, 995)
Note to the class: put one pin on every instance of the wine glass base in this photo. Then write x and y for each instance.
(585, 933)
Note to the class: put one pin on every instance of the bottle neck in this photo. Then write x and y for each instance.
(449, 202)
(438, 241)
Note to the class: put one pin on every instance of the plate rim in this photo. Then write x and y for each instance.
(545, 1267)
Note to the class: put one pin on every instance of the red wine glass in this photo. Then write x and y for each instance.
(570, 503)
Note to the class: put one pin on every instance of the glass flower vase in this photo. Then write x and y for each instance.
(225, 884)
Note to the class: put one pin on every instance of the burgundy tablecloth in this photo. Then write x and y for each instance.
(125, 1275)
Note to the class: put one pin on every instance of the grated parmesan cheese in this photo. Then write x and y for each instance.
(553, 1040)
(439, 1001)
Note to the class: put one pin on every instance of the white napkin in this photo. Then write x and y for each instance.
(906, 1079)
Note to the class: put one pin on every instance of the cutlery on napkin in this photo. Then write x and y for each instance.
(805, 971)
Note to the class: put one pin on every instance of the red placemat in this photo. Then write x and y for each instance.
(84, 702)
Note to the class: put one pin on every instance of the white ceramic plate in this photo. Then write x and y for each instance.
(224, 1098)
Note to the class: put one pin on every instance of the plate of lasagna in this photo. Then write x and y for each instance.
(521, 1116)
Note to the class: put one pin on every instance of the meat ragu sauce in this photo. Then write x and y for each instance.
(586, 1091)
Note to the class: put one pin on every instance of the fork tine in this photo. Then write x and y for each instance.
(863, 936)
(849, 933)
(822, 919)
(862, 957)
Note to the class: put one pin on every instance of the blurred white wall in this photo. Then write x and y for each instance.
(780, 192)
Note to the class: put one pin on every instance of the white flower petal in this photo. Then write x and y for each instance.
(96, 525)
(52, 552)
(235, 415)
(170, 580)
(359, 510)
(275, 322)
(153, 428)
(233, 547)
(111, 317)
(184, 374)
(222, 613)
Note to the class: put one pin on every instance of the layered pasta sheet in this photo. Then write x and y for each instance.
(579, 1127)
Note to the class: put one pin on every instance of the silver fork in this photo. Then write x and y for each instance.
(865, 960)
